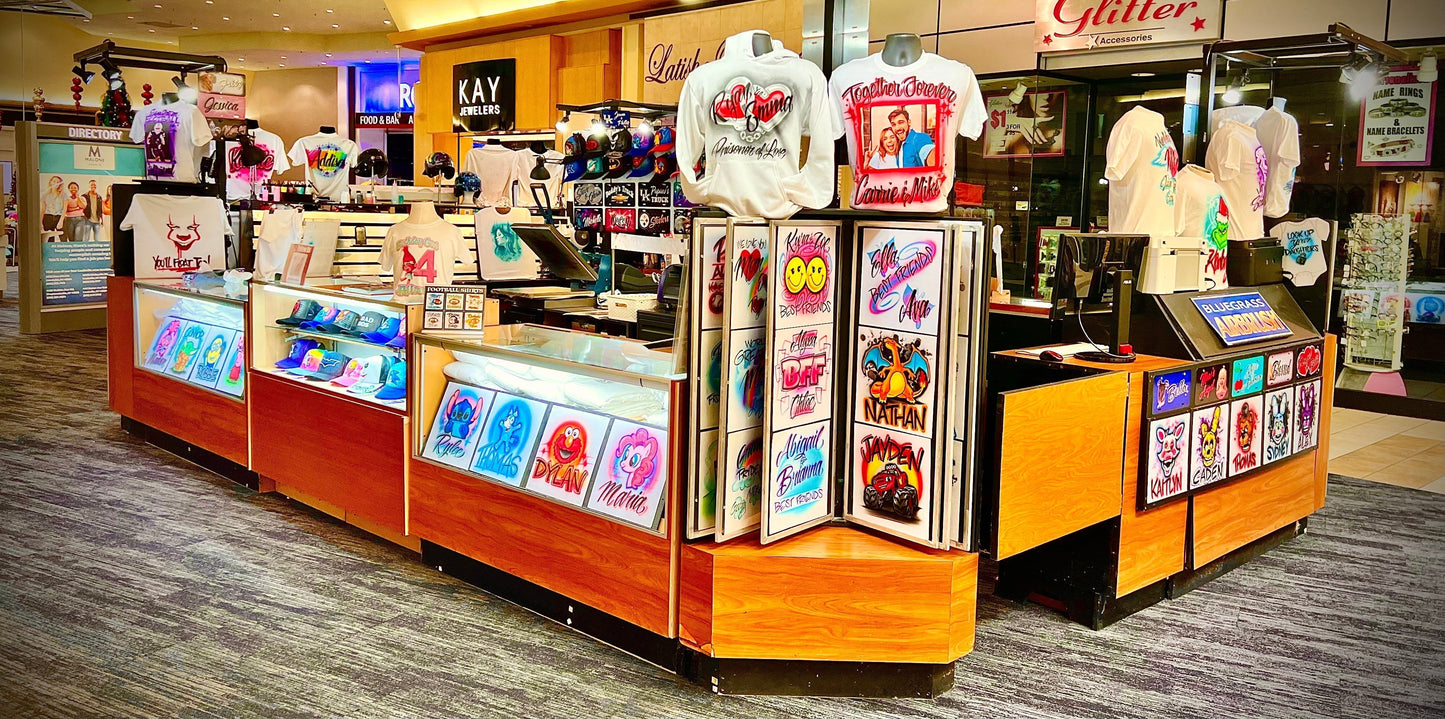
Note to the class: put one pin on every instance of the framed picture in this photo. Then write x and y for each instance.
(1034, 127)
(298, 258)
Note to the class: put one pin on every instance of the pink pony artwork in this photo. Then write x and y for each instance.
(634, 462)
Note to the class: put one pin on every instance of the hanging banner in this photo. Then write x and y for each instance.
(798, 423)
(744, 361)
(1107, 24)
(707, 263)
(1396, 121)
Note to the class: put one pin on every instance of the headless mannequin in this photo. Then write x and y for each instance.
(538, 147)
(1279, 104)
(762, 44)
(493, 141)
(900, 49)
(327, 130)
(422, 213)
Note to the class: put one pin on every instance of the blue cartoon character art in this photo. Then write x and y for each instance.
(164, 342)
(454, 432)
(506, 441)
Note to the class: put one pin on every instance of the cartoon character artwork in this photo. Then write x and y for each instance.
(803, 290)
(1211, 384)
(902, 278)
(740, 473)
(186, 352)
(802, 377)
(1261, 174)
(454, 430)
(233, 381)
(208, 367)
(160, 143)
(632, 480)
(801, 475)
(896, 380)
(1209, 446)
(183, 235)
(507, 437)
(1307, 417)
(567, 456)
(893, 484)
(1216, 223)
(1167, 157)
(1168, 443)
(1278, 427)
(164, 343)
(1245, 422)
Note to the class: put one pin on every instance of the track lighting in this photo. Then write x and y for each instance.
(185, 92)
(562, 123)
(84, 75)
(1016, 95)
(1235, 92)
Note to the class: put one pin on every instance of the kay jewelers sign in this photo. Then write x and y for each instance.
(1104, 24)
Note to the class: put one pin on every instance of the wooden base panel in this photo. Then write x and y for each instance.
(1229, 517)
(199, 456)
(355, 520)
(833, 594)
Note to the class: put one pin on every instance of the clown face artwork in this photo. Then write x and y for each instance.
(1168, 444)
(567, 456)
(164, 342)
(632, 482)
(1246, 419)
(1209, 446)
(454, 431)
(182, 234)
(1278, 411)
(507, 439)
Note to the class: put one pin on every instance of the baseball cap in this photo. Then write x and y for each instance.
(596, 169)
(642, 166)
(385, 333)
(618, 166)
(395, 387)
(664, 167)
(641, 144)
(324, 318)
(369, 384)
(302, 311)
(399, 340)
(663, 141)
(596, 144)
(331, 366)
(575, 159)
(362, 370)
(299, 348)
(369, 322)
(310, 363)
(344, 323)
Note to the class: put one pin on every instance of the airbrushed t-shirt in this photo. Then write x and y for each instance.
(900, 123)
(501, 254)
(242, 182)
(327, 157)
(173, 136)
(421, 254)
(496, 167)
(1240, 167)
(1304, 249)
(1278, 134)
(1140, 163)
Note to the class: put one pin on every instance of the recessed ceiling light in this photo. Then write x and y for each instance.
(330, 10)
(193, 27)
(323, 62)
(328, 54)
(1329, 124)
(283, 64)
(388, 22)
(283, 57)
(226, 19)
(368, 62)
(1142, 74)
(130, 17)
(286, 28)
(152, 30)
(157, 5)
(335, 25)
(210, 2)
(240, 59)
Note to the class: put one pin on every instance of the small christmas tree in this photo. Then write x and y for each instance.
(115, 109)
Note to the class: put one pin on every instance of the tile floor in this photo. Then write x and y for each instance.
(1403, 451)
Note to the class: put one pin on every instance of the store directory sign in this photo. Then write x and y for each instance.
(76, 220)
(1241, 317)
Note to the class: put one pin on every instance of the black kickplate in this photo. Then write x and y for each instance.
(641, 643)
(796, 677)
(203, 458)
(1107, 610)
(1189, 580)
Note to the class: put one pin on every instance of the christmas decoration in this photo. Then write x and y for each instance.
(76, 88)
(39, 98)
(146, 93)
(115, 109)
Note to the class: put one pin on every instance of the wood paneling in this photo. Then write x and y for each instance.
(1326, 410)
(682, 37)
(544, 16)
(1151, 544)
(120, 343)
(834, 593)
(1229, 517)
(325, 446)
(207, 419)
(1061, 448)
(603, 564)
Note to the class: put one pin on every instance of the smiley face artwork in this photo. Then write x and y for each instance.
(806, 291)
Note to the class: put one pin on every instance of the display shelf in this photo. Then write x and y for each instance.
(394, 405)
(347, 339)
(191, 335)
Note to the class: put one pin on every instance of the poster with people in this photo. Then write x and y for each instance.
(1031, 127)
(76, 216)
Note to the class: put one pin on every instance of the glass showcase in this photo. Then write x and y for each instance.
(193, 335)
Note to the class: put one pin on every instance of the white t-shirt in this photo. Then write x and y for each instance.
(900, 123)
(496, 167)
(421, 254)
(1199, 206)
(1278, 134)
(1140, 163)
(327, 157)
(526, 162)
(176, 234)
(501, 254)
(241, 181)
(1246, 114)
(172, 134)
(1304, 244)
(1240, 167)
(280, 229)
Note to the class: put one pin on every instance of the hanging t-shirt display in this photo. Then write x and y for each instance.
(526, 162)
(1240, 167)
(421, 254)
(243, 182)
(749, 114)
(900, 123)
(1304, 249)
(327, 157)
(176, 234)
(1200, 211)
(1278, 134)
(496, 167)
(172, 135)
(280, 229)
(501, 254)
(1140, 163)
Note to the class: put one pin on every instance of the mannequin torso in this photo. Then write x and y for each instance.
(422, 213)
(901, 49)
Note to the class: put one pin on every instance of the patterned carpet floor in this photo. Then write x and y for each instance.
(133, 584)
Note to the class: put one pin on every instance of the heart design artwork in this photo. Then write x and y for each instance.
(749, 261)
(750, 109)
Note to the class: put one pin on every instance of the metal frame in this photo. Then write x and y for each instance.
(184, 63)
(724, 533)
(971, 281)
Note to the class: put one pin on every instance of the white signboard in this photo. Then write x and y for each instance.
(1105, 24)
(1396, 121)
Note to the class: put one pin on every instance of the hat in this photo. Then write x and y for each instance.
(399, 341)
(369, 384)
(642, 166)
(596, 144)
(641, 144)
(310, 363)
(302, 311)
(395, 387)
(326, 317)
(596, 169)
(369, 322)
(468, 182)
(299, 348)
(385, 333)
(344, 323)
(663, 141)
(439, 163)
(618, 165)
(664, 167)
(371, 163)
(362, 370)
(575, 148)
(331, 366)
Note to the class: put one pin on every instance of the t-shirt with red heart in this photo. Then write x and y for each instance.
(900, 123)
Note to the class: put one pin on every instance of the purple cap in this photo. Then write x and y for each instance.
(299, 348)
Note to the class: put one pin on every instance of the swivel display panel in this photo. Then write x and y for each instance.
(742, 378)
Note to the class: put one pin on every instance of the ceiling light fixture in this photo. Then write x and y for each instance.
(562, 123)
(1142, 74)
(335, 25)
(388, 22)
(328, 54)
(226, 19)
(286, 28)
(1235, 92)
(84, 75)
(330, 10)
(275, 14)
(183, 91)
(283, 64)
(1016, 95)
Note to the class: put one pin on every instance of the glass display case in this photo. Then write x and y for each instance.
(193, 335)
(580, 419)
(333, 336)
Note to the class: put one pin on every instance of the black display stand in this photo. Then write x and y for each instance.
(1171, 326)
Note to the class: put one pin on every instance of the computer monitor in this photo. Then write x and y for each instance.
(1086, 261)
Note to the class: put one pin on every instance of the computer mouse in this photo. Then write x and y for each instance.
(1051, 356)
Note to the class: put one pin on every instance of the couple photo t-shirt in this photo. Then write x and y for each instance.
(328, 157)
(421, 254)
(1140, 163)
(173, 136)
(900, 123)
(242, 181)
